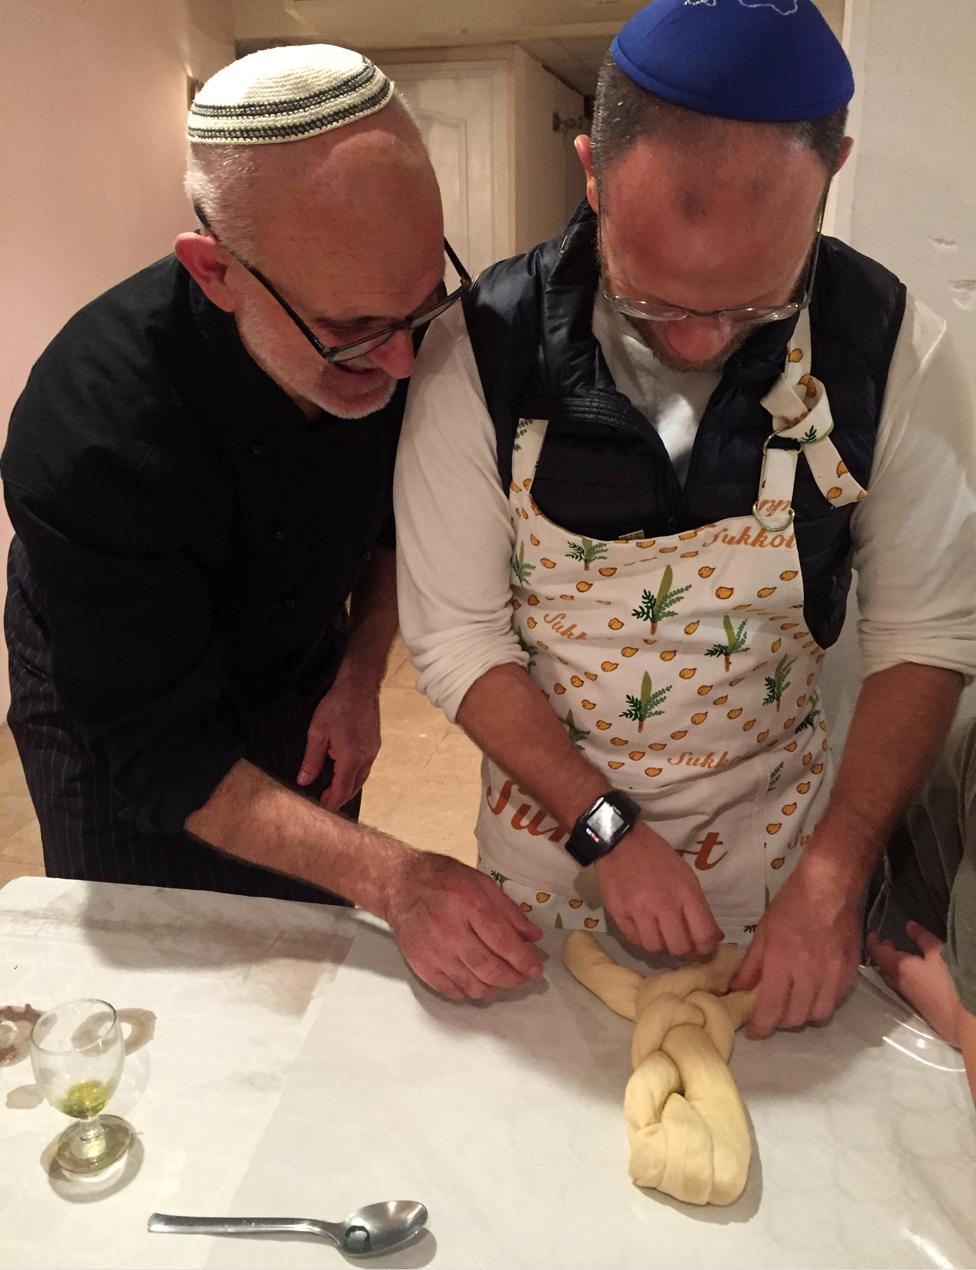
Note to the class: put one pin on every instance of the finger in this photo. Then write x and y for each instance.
(887, 958)
(362, 776)
(334, 798)
(825, 1001)
(704, 931)
(469, 983)
(773, 1000)
(500, 935)
(442, 983)
(749, 973)
(355, 782)
(505, 907)
(316, 748)
(834, 987)
(648, 933)
(922, 938)
(798, 1008)
(673, 933)
(343, 784)
(486, 966)
(625, 924)
(524, 926)
(845, 981)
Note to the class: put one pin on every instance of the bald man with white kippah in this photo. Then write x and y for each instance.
(199, 472)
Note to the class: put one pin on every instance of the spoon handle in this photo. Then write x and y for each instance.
(170, 1224)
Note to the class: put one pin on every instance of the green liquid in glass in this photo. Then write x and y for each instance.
(85, 1100)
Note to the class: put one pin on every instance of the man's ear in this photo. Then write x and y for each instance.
(584, 152)
(204, 260)
(846, 146)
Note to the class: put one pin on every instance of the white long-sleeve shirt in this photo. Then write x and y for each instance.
(914, 535)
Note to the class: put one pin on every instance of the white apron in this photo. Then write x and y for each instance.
(682, 668)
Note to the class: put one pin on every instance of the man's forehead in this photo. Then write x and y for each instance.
(344, 247)
(709, 255)
(661, 189)
(356, 198)
(740, 160)
(362, 225)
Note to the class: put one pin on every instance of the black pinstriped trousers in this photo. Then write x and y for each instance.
(84, 827)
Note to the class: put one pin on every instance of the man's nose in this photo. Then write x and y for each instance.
(396, 355)
(699, 339)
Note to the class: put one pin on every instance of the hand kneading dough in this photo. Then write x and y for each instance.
(688, 1131)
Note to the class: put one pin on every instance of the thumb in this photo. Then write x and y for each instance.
(922, 938)
(750, 972)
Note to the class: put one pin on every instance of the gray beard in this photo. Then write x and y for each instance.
(310, 399)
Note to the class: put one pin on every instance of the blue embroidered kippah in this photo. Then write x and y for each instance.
(770, 61)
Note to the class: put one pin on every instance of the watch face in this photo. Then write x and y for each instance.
(606, 821)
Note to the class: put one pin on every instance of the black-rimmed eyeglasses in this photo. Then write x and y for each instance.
(338, 353)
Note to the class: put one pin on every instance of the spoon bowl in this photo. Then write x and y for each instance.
(372, 1229)
(377, 1227)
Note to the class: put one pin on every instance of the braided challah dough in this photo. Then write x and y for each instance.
(688, 1131)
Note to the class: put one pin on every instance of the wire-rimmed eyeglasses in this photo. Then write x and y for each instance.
(654, 310)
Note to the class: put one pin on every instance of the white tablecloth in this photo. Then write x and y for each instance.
(298, 1069)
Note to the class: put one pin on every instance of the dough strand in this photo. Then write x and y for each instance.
(689, 1135)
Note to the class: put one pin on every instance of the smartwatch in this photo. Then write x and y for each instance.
(601, 827)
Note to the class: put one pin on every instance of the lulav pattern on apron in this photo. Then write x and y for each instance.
(682, 666)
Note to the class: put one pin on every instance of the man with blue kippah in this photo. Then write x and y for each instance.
(635, 475)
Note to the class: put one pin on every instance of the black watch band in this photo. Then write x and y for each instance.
(601, 826)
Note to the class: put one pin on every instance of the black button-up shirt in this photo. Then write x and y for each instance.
(191, 535)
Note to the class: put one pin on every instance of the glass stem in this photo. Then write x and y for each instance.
(91, 1139)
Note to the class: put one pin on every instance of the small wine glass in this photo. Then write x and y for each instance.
(77, 1051)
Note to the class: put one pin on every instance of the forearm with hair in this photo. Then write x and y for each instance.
(254, 818)
(508, 717)
(900, 724)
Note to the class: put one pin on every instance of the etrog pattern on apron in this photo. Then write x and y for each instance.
(681, 666)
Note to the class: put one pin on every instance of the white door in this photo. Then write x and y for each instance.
(462, 109)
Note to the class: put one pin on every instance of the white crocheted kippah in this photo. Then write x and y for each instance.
(286, 94)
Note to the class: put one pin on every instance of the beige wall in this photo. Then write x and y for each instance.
(93, 98)
(908, 195)
(833, 11)
(427, 23)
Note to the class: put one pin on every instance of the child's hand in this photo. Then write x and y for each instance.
(923, 981)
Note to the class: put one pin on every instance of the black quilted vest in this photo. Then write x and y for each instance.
(605, 472)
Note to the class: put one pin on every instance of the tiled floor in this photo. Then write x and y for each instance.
(20, 837)
(423, 787)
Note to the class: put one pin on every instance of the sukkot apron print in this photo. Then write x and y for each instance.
(682, 668)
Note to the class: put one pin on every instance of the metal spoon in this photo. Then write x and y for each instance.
(375, 1228)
